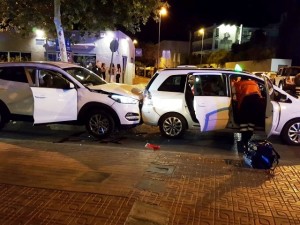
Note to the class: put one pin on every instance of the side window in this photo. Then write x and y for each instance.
(210, 85)
(52, 79)
(16, 74)
(173, 84)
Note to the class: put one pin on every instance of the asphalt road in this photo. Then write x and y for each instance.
(218, 144)
(62, 175)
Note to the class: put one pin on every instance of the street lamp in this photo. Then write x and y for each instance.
(162, 12)
(201, 31)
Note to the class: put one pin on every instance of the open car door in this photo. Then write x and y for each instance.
(270, 123)
(54, 99)
(211, 101)
(54, 105)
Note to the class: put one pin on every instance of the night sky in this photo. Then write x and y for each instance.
(186, 15)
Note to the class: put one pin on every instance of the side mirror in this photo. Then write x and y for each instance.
(71, 85)
(283, 97)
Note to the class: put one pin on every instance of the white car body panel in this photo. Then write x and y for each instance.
(161, 102)
(284, 113)
(20, 102)
(85, 96)
(54, 105)
(55, 92)
(122, 89)
(212, 112)
(151, 113)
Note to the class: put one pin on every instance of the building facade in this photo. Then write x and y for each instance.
(82, 49)
(222, 36)
(173, 53)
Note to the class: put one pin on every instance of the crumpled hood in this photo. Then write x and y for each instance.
(121, 89)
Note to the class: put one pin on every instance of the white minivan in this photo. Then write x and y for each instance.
(58, 92)
(170, 103)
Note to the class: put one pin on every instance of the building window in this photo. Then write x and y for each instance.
(15, 56)
(51, 56)
(173, 84)
(25, 56)
(3, 56)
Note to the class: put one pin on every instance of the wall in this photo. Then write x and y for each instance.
(263, 65)
(100, 47)
(14, 43)
(173, 53)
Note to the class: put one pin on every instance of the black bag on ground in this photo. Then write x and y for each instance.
(261, 155)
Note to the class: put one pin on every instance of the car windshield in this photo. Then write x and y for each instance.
(85, 76)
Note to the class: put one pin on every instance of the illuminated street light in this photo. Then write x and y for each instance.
(162, 12)
(135, 42)
(39, 33)
(201, 32)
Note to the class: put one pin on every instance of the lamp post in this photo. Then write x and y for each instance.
(201, 31)
(162, 12)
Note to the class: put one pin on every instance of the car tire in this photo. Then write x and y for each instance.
(291, 132)
(172, 125)
(100, 124)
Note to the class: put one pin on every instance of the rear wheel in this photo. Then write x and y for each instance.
(172, 125)
(291, 132)
(100, 124)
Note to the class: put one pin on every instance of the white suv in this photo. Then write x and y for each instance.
(169, 102)
(56, 92)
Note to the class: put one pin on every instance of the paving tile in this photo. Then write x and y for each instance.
(71, 187)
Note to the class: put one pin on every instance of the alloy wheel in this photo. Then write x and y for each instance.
(294, 133)
(172, 126)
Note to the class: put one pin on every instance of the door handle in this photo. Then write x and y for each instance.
(41, 96)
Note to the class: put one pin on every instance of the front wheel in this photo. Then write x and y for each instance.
(172, 125)
(100, 124)
(291, 132)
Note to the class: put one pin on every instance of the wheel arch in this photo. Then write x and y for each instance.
(89, 107)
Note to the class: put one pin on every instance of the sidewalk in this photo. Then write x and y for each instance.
(54, 183)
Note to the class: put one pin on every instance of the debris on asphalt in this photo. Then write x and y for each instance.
(152, 146)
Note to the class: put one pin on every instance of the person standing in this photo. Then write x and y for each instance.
(249, 106)
(112, 72)
(118, 73)
(103, 71)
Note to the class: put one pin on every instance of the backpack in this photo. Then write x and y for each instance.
(261, 155)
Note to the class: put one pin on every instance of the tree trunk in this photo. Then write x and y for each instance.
(60, 32)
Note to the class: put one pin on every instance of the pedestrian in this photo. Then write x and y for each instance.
(94, 68)
(112, 72)
(98, 66)
(118, 73)
(249, 106)
(103, 71)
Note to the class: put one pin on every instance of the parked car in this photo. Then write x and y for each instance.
(285, 78)
(170, 103)
(259, 73)
(57, 92)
